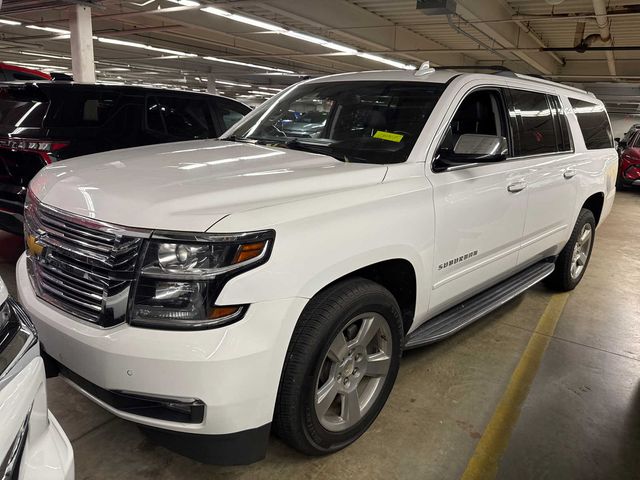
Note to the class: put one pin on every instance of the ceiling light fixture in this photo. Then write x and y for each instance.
(272, 89)
(386, 61)
(306, 38)
(45, 55)
(185, 3)
(241, 18)
(125, 43)
(9, 22)
(244, 64)
(49, 29)
(258, 92)
(37, 65)
(233, 84)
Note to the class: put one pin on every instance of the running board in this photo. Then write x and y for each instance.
(467, 312)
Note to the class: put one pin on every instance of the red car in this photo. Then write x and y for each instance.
(10, 73)
(629, 170)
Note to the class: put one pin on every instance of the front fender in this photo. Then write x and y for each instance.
(339, 234)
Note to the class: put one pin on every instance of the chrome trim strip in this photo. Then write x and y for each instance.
(26, 328)
(10, 466)
(91, 223)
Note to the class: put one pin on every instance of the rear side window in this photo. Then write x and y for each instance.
(230, 112)
(184, 118)
(75, 108)
(22, 107)
(594, 124)
(537, 127)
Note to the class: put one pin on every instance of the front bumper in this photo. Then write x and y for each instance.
(234, 371)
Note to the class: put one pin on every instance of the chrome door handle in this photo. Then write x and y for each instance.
(569, 173)
(517, 187)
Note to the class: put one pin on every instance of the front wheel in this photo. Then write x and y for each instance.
(574, 257)
(341, 365)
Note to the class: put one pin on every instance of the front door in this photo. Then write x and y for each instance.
(480, 208)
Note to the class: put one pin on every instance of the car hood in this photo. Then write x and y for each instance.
(189, 186)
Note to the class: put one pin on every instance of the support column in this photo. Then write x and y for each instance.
(211, 84)
(81, 44)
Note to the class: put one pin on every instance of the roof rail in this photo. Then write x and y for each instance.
(497, 68)
(539, 79)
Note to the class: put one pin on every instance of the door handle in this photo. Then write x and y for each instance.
(517, 187)
(569, 173)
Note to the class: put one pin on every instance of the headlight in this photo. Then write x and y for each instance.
(182, 275)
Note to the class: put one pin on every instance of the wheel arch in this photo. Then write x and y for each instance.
(595, 203)
(397, 275)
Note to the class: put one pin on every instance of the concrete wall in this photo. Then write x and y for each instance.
(620, 123)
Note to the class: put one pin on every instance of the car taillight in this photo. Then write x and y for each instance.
(45, 148)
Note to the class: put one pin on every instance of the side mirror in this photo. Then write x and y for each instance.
(472, 148)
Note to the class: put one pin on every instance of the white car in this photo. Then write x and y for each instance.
(32, 444)
(213, 290)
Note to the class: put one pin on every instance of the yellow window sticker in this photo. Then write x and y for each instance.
(391, 137)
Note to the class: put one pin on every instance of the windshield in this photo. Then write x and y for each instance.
(363, 121)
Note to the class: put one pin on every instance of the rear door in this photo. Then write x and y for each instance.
(480, 208)
(545, 149)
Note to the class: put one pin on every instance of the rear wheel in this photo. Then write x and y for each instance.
(340, 368)
(574, 258)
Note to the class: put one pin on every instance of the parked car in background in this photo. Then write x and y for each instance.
(32, 444)
(623, 142)
(629, 166)
(41, 123)
(212, 290)
(10, 73)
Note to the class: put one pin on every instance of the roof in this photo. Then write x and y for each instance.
(61, 85)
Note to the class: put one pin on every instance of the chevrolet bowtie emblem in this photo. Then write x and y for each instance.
(33, 246)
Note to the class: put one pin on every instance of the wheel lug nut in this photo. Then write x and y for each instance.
(346, 382)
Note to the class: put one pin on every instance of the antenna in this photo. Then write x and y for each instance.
(424, 69)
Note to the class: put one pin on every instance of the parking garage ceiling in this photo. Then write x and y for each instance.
(254, 48)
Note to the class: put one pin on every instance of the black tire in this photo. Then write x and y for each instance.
(326, 315)
(561, 278)
(620, 186)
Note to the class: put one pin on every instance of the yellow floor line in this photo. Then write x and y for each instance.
(486, 457)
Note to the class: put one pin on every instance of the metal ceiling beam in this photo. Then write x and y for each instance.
(506, 35)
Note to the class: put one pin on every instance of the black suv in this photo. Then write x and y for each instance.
(43, 122)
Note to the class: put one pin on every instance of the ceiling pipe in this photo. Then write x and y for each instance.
(602, 20)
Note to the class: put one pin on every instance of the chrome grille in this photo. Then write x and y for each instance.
(80, 265)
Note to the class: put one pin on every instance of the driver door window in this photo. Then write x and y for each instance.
(482, 112)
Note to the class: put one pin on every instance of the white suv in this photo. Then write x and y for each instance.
(33, 446)
(211, 290)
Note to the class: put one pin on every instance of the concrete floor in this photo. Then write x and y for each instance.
(581, 418)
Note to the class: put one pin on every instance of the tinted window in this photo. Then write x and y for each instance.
(77, 108)
(536, 127)
(230, 112)
(594, 124)
(179, 117)
(358, 121)
(21, 107)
